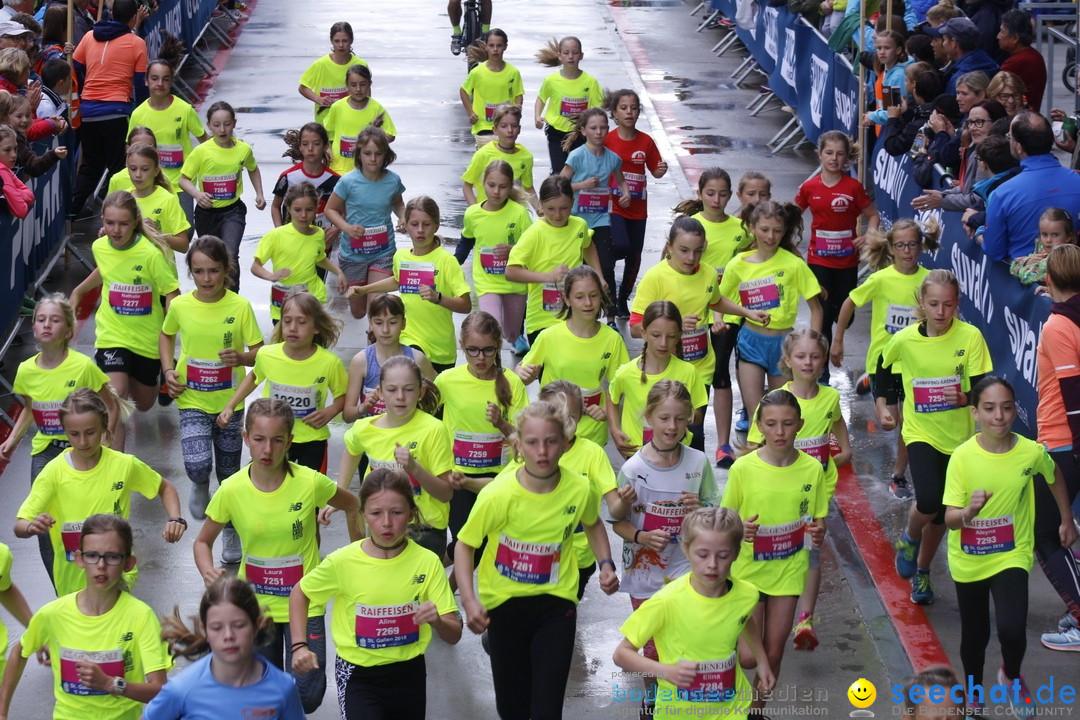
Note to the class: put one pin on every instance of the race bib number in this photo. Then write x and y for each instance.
(47, 417)
(714, 682)
(278, 291)
(594, 200)
(489, 111)
(220, 187)
(171, 156)
(346, 144)
(131, 299)
(929, 393)
(569, 107)
(592, 398)
(551, 298)
(111, 662)
(988, 536)
(274, 576)
(70, 535)
(302, 399)
(668, 518)
(635, 183)
(334, 93)
(898, 317)
(760, 294)
(695, 344)
(383, 626)
(528, 563)
(833, 243)
(374, 240)
(411, 275)
(378, 408)
(779, 542)
(492, 265)
(816, 447)
(208, 375)
(479, 450)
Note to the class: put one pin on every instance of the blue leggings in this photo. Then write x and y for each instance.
(206, 445)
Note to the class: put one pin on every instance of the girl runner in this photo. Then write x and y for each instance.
(211, 175)
(581, 350)
(725, 236)
(323, 83)
(348, 116)
(309, 148)
(638, 152)
(941, 358)
(498, 222)
(42, 382)
(835, 200)
(764, 285)
(545, 253)
(157, 201)
(431, 284)
(389, 594)
(780, 494)
(563, 95)
(506, 121)
(480, 401)
(105, 646)
(492, 83)
(989, 510)
(661, 330)
(386, 322)
(695, 624)
(273, 504)
(299, 369)
(229, 679)
(669, 481)
(406, 436)
(296, 251)
(121, 180)
(360, 208)
(805, 353)
(891, 289)
(131, 263)
(215, 327)
(527, 598)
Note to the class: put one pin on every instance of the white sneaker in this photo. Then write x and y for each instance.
(1067, 621)
(200, 498)
(1067, 640)
(231, 549)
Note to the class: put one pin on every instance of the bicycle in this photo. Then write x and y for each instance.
(470, 28)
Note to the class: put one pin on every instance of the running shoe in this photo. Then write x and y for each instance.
(907, 550)
(231, 550)
(1020, 699)
(900, 488)
(455, 44)
(922, 589)
(200, 498)
(805, 637)
(611, 322)
(726, 24)
(862, 385)
(1067, 621)
(1067, 640)
(725, 456)
(742, 424)
(521, 345)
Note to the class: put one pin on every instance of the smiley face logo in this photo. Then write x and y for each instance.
(862, 693)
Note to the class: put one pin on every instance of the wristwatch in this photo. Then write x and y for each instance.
(119, 686)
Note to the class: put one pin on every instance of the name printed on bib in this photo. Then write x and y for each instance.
(760, 294)
(111, 662)
(898, 317)
(714, 682)
(171, 156)
(988, 536)
(393, 464)
(374, 240)
(383, 626)
(928, 394)
(528, 563)
(779, 542)
(131, 299)
(208, 375)
(833, 243)
(274, 576)
(551, 297)
(334, 93)
(301, 399)
(220, 187)
(594, 200)
(279, 290)
(479, 450)
(668, 518)
(816, 447)
(695, 344)
(47, 417)
(492, 264)
(411, 275)
(70, 535)
(569, 107)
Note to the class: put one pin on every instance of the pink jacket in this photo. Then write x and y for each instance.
(19, 197)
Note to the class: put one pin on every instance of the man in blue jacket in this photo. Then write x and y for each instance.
(960, 42)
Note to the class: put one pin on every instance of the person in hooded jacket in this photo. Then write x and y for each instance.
(960, 39)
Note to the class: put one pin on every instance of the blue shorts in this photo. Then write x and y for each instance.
(759, 349)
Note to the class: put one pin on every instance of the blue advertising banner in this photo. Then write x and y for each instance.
(1009, 314)
(845, 97)
(767, 27)
(813, 74)
(183, 18)
(782, 79)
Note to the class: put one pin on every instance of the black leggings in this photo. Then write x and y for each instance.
(461, 504)
(1010, 590)
(602, 242)
(627, 241)
(928, 466)
(397, 691)
(278, 651)
(836, 284)
(532, 644)
(556, 154)
(102, 143)
(311, 454)
(1057, 562)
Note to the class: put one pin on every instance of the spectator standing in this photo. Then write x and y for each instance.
(960, 44)
(1015, 38)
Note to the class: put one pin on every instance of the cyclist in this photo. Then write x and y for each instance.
(453, 9)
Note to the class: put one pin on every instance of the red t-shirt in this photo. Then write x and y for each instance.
(636, 154)
(835, 211)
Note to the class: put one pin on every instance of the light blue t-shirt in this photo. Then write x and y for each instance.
(195, 694)
(593, 205)
(370, 205)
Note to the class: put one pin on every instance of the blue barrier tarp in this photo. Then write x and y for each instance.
(782, 79)
(813, 75)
